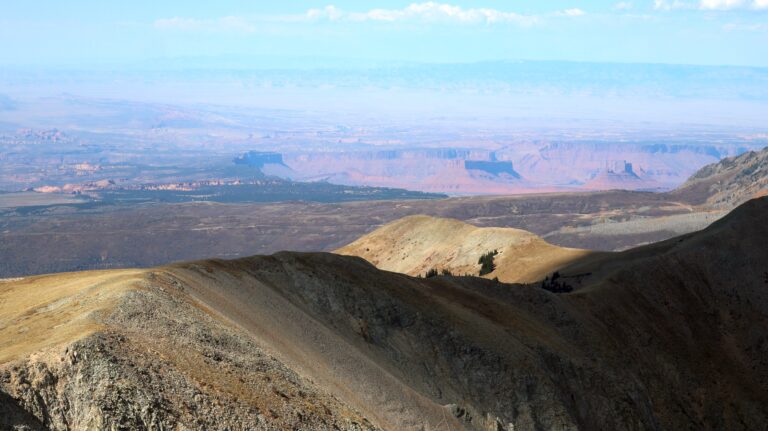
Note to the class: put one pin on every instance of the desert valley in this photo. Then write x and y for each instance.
(320, 340)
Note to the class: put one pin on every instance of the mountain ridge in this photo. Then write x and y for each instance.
(666, 337)
(729, 182)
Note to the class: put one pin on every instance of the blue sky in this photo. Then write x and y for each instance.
(83, 33)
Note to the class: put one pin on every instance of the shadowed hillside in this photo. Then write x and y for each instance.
(667, 336)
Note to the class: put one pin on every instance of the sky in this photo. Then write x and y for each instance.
(93, 33)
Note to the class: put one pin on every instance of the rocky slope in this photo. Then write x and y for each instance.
(668, 336)
(129, 350)
(729, 182)
(416, 244)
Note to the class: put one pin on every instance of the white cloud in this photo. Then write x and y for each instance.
(733, 4)
(746, 27)
(711, 5)
(623, 5)
(571, 12)
(424, 12)
(177, 23)
(227, 23)
(721, 4)
(329, 12)
(671, 5)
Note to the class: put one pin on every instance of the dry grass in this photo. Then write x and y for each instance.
(413, 245)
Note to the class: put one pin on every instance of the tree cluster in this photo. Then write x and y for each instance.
(434, 273)
(487, 265)
(555, 284)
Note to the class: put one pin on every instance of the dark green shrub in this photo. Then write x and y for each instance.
(487, 265)
(554, 284)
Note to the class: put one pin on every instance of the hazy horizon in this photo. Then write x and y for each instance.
(87, 32)
(653, 89)
(691, 62)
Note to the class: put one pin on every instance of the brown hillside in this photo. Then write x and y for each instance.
(413, 245)
(667, 336)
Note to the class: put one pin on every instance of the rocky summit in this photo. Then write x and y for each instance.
(729, 182)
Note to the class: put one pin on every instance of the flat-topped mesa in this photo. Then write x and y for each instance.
(618, 176)
(417, 244)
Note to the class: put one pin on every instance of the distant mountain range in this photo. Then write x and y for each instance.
(552, 91)
(522, 77)
(515, 168)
